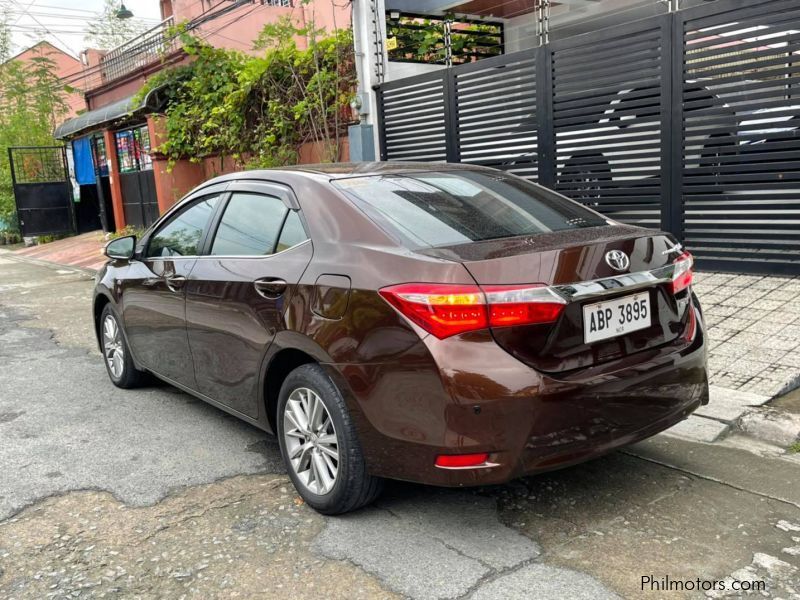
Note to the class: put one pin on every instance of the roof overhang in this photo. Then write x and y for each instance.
(111, 113)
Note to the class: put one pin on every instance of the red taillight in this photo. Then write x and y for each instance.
(456, 461)
(446, 310)
(522, 305)
(682, 275)
(442, 310)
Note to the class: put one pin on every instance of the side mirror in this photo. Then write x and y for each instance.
(121, 248)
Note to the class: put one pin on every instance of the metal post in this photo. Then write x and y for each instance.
(68, 184)
(673, 212)
(453, 151)
(381, 123)
(543, 22)
(11, 166)
(101, 196)
(448, 47)
(377, 41)
(546, 143)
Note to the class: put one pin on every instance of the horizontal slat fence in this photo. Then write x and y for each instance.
(688, 122)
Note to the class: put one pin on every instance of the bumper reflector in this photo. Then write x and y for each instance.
(460, 461)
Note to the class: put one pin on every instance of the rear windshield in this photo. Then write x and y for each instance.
(446, 208)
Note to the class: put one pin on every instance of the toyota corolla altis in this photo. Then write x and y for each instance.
(435, 323)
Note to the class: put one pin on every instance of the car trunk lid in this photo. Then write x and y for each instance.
(573, 265)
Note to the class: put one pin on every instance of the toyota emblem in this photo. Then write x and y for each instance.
(618, 260)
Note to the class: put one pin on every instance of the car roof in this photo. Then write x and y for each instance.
(337, 170)
(327, 171)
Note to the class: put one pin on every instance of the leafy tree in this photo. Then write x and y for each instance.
(5, 37)
(108, 31)
(31, 104)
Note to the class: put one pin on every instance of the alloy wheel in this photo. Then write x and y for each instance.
(113, 347)
(311, 443)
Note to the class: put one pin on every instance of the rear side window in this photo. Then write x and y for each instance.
(456, 207)
(292, 233)
(250, 225)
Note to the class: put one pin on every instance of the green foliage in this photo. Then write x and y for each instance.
(128, 230)
(8, 237)
(31, 104)
(259, 109)
(423, 39)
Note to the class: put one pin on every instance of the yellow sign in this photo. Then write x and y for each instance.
(391, 43)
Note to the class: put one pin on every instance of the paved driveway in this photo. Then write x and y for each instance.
(150, 493)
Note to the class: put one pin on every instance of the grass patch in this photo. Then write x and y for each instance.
(794, 448)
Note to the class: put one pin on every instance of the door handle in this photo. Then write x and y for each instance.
(175, 283)
(270, 288)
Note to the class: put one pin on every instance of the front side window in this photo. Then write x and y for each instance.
(250, 225)
(445, 208)
(182, 234)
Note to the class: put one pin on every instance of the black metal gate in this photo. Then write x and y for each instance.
(42, 190)
(688, 121)
(139, 199)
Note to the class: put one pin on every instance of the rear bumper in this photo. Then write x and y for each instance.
(468, 395)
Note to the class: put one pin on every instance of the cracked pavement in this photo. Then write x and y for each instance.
(152, 494)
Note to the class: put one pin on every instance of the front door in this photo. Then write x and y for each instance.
(154, 296)
(236, 294)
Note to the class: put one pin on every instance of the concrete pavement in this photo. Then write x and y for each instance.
(152, 494)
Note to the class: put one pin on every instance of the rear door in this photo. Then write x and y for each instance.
(237, 292)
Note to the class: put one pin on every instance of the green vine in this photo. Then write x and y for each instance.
(420, 39)
(260, 109)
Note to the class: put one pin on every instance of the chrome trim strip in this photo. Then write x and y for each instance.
(606, 286)
(223, 256)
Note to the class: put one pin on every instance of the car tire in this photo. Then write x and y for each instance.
(307, 452)
(116, 353)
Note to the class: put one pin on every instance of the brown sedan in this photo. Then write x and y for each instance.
(435, 323)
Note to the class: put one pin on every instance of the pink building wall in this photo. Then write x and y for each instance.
(236, 30)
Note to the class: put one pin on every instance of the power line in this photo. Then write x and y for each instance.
(82, 18)
(66, 46)
(206, 16)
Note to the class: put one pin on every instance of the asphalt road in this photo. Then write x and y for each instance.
(151, 493)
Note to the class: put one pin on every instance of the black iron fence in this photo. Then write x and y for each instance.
(688, 122)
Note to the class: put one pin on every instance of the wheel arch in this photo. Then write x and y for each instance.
(289, 351)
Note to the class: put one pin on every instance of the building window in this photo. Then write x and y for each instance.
(133, 149)
(445, 40)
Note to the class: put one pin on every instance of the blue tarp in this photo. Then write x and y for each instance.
(84, 166)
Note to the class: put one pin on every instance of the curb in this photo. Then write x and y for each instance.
(777, 427)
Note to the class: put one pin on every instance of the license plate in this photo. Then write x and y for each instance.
(611, 318)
